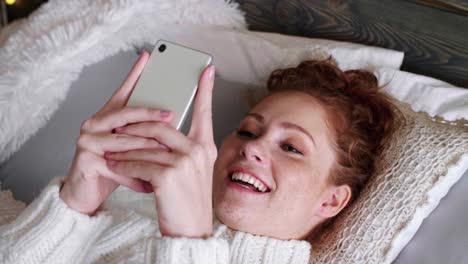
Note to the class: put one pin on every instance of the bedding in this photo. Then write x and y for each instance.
(443, 236)
(244, 67)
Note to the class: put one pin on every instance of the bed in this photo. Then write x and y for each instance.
(433, 49)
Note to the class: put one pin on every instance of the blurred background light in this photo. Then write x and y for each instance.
(11, 10)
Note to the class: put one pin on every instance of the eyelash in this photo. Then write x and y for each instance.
(243, 133)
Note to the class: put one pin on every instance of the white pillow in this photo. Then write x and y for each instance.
(423, 93)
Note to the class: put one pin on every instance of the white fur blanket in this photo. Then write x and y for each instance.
(34, 79)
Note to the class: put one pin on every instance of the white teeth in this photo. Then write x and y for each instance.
(248, 179)
(245, 177)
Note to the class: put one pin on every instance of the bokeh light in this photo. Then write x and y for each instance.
(10, 2)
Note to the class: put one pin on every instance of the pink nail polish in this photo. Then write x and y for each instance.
(164, 113)
(212, 71)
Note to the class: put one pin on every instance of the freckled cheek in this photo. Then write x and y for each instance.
(295, 178)
(293, 198)
(295, 185)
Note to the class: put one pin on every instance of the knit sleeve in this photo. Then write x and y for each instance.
(248, 248)
(48, 231)
(191, 250)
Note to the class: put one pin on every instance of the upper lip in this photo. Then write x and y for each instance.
(250, 172)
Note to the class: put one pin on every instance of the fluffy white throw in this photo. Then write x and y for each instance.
(46, 52)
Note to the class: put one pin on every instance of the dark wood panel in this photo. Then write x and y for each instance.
(435, 41)
(456, 6)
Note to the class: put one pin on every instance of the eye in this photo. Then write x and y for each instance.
(245, 133)
(291, 148)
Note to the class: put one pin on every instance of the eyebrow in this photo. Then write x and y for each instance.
(287, 125)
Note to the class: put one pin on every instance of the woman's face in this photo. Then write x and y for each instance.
(284, 141)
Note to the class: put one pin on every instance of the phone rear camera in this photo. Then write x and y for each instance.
(162, 48)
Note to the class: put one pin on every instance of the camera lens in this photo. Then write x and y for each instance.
(162, 48)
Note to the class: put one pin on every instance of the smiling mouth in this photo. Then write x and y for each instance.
(246, 181)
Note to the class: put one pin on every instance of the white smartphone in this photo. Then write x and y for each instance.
(170, 79)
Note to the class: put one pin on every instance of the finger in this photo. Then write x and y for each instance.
(135, 184)
(158, 156)
(201, 128)
(127, 115)
(98, 164)
(162, 132)
(120, 97)
(136, 169)
(101, 143)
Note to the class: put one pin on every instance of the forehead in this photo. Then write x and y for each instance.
(293, 106)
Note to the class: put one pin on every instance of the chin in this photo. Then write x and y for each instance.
(235, 217)
(244, 219)
(248, 220)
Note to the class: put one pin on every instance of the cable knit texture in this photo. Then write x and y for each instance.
(185, 250)
(48, 231)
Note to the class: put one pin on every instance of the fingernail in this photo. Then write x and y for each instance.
(148, 187)
(164, 113)
(143, 52)
(212, 71)
(112, 163)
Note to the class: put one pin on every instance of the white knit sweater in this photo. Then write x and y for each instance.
(48, 231)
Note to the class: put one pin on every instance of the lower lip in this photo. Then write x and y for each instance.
(240, 188)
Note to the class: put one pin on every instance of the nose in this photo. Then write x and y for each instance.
(252, 151)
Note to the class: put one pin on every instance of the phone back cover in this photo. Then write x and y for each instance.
(170, 79)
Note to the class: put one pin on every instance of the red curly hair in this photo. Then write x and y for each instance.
(362, 118)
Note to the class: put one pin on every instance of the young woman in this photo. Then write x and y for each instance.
(298, 158)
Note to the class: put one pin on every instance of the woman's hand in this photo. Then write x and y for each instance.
(89, 181)
(181, 174)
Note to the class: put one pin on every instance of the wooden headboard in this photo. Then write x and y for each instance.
(432, 33)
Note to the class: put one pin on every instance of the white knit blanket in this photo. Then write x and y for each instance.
(34, 78)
